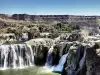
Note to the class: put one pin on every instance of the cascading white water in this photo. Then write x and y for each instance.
(32, 54)
(59, 67)
(21, 55)
(16, 56)
(49, 57)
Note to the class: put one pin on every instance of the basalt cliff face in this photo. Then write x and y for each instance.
(54, 17)
(89, 21)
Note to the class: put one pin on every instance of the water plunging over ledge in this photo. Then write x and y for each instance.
(16, 56)
(24, 55)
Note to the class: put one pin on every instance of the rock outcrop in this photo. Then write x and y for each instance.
(92, 61)
(40, 54)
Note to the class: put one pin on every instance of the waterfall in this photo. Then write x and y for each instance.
(16, 56)
(49, 57)
(59, 67)
(32, 55)
(45, 52)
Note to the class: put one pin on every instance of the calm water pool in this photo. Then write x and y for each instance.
(28, 71)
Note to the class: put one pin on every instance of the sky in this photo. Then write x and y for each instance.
(50, 7)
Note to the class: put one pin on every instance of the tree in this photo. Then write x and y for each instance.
(59, 25)
(40, 29)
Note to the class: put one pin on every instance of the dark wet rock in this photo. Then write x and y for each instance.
(83, 61)
(40, 54)
(81, 66)
(69, 64)
(75, 62)
(53, 56)
(92, 61)
(66, 48)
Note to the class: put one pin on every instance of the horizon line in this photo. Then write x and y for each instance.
(51, 14)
